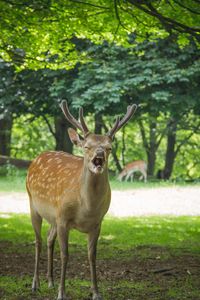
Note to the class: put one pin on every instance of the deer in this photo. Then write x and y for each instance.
(135, 166)
(72, 192)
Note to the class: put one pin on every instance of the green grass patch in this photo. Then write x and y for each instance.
(77, 289)
(127, 185)
(176, 232)
(18, 288)
(126, 233)
(15, 182)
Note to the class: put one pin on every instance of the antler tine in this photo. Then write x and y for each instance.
(68, 115)
(130, 112)
(83, 124)
(113, 130)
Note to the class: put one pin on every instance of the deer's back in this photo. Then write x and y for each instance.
(52, 177)
(139, 164)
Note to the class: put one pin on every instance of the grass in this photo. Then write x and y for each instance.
(124, 234)
(116, 185)
(12, 184)
(15, 182)
(136, 244)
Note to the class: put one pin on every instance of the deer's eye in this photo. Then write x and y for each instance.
(86, 147)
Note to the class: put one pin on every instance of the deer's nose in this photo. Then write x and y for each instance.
(100, 152)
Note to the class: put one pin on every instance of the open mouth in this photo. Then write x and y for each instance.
(98, 162)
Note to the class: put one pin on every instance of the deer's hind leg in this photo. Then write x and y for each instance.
(50, 249)
(37, 224)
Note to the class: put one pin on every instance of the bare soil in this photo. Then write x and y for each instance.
(172, 272)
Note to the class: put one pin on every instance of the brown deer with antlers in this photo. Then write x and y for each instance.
(72, 192)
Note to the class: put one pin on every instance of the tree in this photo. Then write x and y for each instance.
(37, 94)
(156, 75)
(39, 34)
(5, 134)
(7, 89)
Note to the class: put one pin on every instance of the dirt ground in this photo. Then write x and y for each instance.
(172, 272)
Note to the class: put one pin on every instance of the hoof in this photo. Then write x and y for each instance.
(50, 284)
(62, 297)
(35, 285)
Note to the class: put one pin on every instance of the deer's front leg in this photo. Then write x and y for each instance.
(63, 234)
(50, 248)
(92, 246)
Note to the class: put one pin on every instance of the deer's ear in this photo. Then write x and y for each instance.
(74, 137)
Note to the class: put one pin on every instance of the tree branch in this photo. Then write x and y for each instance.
(117, 14)
(167, 22)
(186, 7)
(49, 125)
(183, 142)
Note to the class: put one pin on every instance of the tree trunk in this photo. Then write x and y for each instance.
(116, 160)
(170, 152)
(151, 152)
(150, 145)
(98, 123)
(63, 142)
(114, 155)
(151, 157)
(5, 135)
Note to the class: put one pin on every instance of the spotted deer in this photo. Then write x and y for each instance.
(72, 192)
(135, 166)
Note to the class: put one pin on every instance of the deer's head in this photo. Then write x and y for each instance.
(96, 147)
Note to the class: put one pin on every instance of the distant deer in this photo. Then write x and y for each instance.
(72, 192)
(135, 166)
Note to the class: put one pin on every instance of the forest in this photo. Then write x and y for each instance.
(161, 77)
(103, 59)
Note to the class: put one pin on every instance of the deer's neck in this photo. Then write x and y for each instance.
(95, 188)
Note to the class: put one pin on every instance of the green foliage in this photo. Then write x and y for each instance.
(160, 76)
(154, 74)
(9, 170)
(30, 138)
(40, 34)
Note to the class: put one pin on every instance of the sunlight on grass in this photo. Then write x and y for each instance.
(13, 184)
(168, 231)
(117, 185)
(176, 232)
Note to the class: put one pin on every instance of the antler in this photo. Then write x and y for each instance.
(118, 124)
(80, 125)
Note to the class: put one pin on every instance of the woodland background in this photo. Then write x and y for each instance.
(103, 55)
